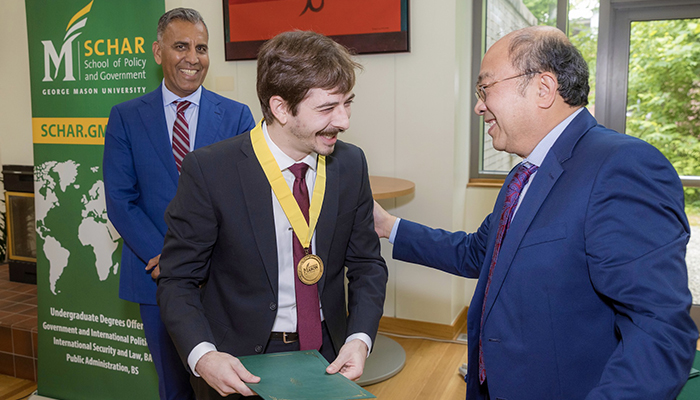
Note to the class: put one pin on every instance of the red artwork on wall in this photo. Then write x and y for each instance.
(364, 26)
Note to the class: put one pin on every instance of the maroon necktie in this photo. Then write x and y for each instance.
(522, 175)
(181, 134)
(308, 312)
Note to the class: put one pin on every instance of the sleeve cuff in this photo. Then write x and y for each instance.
(362, 336)
(394, 229)
(197, 353)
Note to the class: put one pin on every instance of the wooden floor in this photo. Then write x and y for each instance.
(430, 373)
(14, 388)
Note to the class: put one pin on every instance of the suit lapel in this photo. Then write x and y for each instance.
(547, 175)
(210, 117)
(153, 119)
(543, 182)
(327, 219)
(258, 199)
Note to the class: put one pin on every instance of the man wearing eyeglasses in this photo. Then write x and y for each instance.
(583, 288)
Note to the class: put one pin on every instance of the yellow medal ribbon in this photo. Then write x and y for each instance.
(284, 194)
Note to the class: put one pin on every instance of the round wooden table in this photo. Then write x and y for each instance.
(388, 357)
(384, 187)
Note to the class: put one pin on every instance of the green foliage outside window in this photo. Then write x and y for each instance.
(663, 98)
(544, 10)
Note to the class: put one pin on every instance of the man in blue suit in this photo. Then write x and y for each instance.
(588, 295)
(141, 173)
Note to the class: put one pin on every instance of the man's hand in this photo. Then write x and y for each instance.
(154, 265)
(350, 361)
(383, 221)
(225, 374)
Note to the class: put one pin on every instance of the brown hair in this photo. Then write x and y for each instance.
(294, 62)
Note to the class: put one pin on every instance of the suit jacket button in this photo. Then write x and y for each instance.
(273, 306)
(258, 349)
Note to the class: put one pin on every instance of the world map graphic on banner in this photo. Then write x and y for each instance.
(76, 194)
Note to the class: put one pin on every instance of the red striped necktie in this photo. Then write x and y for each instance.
(181, 134)
(522, 175)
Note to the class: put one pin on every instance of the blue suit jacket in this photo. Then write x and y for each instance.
(141, 178)
(589, 298)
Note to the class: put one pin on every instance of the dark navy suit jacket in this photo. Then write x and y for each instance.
(141, 177)
(219, 272)
(589, 298)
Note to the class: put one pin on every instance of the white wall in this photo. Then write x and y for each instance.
(411, 117)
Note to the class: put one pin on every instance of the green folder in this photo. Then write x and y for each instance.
(693, 373)
(299, 375)
(691, 390)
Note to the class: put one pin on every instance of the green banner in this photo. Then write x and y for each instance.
(85, 56)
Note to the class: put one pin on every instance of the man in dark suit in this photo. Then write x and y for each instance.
(141, 170)
(233, 280)
(582, 290)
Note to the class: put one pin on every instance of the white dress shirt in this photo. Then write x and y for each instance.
(286, 320)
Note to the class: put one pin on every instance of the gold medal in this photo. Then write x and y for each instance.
(310, 269)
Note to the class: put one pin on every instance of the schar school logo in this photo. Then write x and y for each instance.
(66, 54)
(86, 68)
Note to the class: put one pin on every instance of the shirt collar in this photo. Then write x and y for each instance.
(283, 160)
(170, 97)
(540, 152)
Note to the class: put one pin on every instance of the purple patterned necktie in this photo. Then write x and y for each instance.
(522, 175)
(181, 134)
(308, 311)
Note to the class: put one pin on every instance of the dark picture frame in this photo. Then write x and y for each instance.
(363, 26)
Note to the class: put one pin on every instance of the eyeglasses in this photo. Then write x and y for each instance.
(481, 89)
